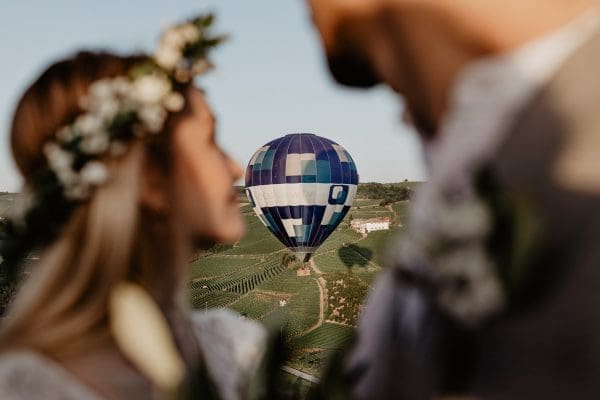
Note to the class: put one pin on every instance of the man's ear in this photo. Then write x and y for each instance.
(153, 188)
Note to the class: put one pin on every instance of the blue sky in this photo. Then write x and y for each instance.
(271, 77)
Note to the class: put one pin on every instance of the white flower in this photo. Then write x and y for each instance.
(121, 86)
(174, 102)
(105, 96)
(151, 89)
(88, 124)
(58, 159)
(174, 38)
(107, 109)
(60, 162)
(190, 32)
(153, 117)
(94, 173)
(168, 57)
(96, 144)
(100, 90)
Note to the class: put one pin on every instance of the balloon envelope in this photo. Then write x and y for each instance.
(301, 186)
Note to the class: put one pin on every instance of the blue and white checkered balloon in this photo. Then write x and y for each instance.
(301, 186)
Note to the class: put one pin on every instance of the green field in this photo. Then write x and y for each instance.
(257, 305)
(258, 239)
(206, 267)
(371, 212)
(316, 313)
(6, 201)
(312, 352)
(362, 203)
(250, 279)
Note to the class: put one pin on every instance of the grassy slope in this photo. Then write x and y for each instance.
(345, 251)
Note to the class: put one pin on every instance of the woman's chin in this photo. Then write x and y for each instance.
(231, 233)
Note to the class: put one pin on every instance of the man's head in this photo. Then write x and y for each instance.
(418, 47)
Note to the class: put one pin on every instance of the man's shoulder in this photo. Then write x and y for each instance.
(555, 138)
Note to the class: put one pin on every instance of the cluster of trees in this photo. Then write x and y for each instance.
(346, 294)
(288, 259)
(387, 192)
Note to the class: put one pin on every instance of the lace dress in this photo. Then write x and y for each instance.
(232, 346)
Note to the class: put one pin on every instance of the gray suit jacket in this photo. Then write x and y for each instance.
(547, 345)
(544, 188)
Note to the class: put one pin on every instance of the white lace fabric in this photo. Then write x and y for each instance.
(232, 346)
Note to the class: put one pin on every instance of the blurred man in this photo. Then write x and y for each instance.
(493, 290)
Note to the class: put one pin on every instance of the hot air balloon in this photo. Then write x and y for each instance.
(301, 186)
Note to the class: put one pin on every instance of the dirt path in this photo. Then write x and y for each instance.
(322, 305)
(300, 374)
(396, 216)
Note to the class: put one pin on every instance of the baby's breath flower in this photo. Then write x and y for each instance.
(168, 57)
(57, 157)
(153, 117)
(100, 90)
(96, 144)
(151, 89)
(174, 38)
(121, 86)
(108, 109)
(174, 102)
(88, 124)
(94, 173)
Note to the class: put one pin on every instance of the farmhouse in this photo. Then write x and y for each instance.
(370, 225)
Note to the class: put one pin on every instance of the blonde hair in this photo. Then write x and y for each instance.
(62, 307)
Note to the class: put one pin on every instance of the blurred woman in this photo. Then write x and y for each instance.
(124, 182)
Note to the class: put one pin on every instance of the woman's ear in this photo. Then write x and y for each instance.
(153, 190)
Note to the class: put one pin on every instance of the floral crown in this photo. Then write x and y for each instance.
(114, 111)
